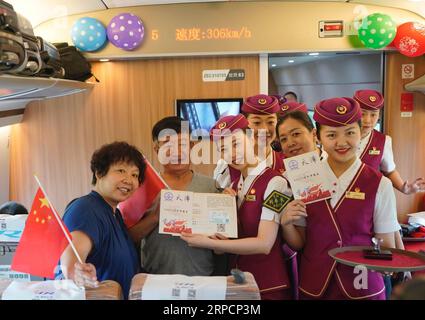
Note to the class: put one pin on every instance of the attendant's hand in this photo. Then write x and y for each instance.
(416, 186)
(218, 236)
(85, 275)
(230, 192)
(293, 212)
(196, 240)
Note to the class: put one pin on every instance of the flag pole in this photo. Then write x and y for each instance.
(59, 220)
(159, 176)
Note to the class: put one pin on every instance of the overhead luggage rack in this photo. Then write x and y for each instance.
(17, 91)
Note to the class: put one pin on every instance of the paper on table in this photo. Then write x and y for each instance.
(309, 181)
(418, 217)
(205, 213)
(44, 290)
(180, 287)
(11, 227)
(9, 274)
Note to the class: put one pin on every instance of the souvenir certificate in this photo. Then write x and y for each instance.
(205, 213)
(309, 181)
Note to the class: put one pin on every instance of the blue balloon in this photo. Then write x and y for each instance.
(88, 34)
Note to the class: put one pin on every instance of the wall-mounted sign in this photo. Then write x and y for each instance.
(406, 101)
(406, 104)
(407, 71)
(223, 75)
(331, 29)
(198, 34)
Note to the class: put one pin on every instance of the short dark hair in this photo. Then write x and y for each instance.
(319, 127)
(12, 208)
(300, 116)
(291, 92)
(118, 151)
(167, 123)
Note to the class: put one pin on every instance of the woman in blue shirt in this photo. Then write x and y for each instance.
(97, 228)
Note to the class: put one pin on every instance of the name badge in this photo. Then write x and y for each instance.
(374, 152)
(250, 197)
(356, 195)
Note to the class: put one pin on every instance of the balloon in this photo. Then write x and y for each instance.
(126, 31)
(377, 30)
(88, 34)
(410, 39)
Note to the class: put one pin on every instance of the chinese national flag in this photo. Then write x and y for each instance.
(142, 199)
(43, 240)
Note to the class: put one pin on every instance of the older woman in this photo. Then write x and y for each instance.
(97, 228)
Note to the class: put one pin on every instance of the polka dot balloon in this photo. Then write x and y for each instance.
(377, 30)
(126, 31)
(88, 34)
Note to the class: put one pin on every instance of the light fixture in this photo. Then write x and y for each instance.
(313, 54)
(291, 61)
(273, 65)
(103, 60)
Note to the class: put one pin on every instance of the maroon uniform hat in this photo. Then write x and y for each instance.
(369, 99)
(337, 112)
(225, 126)
(290, 106)
(280, 99)
(261, 104)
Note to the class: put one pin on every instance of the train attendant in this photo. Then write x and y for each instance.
(285, 108)
(375, 147)
(291, 106)
(362, 206)
(296, 133)
(262, 193)
(376, 151)
(261, 113)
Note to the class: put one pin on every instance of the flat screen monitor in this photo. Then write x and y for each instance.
(202, 114)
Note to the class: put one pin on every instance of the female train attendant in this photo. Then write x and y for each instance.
(296, 134)
(362, 206)
(261, 113)
(291, 106)
(376, 148)
(376, 151)
(285, 108)
(262, 193)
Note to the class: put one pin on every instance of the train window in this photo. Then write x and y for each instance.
(322, 75)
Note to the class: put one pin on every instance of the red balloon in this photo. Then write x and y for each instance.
(410, 39)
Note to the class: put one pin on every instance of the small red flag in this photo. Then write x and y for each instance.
(43, 240)
(134, 208)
